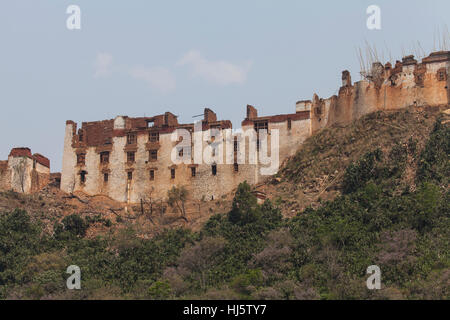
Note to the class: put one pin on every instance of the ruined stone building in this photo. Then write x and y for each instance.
(24, 172)
(129, 159)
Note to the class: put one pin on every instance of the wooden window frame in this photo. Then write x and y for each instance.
(131, 157)
(153, 136)
(131, 138)
(81, 158)
(153, 155)
(104, 157)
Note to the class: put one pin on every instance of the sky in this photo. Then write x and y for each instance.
(144, 57)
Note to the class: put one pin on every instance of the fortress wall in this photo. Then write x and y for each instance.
(386, 88)
(21, 169)
(40, 176)
(408, 84)
(435, 91)
(24, 172)
(323, 113)
(290, 139)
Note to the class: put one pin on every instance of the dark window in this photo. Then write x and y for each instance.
(420, 78)
(152, 174)
(154, 136)
(83, 176)
(236, 145)
(193, 171)
(180, 152)
(80, 137)
(81, 158)
(104, 157)
(441, 75)
(289, 124)
(130, 156)
(214, 169)
(172, 173)
(131, 138)
(130, 175)
(105, 177)
(153, 155)
(261, 125)
(236, 167)
(318, 110)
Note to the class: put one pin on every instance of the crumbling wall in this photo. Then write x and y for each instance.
(69, 159)
(24, 172)
(5, 176)
(21, 173)
(40, 176)
(409, 83)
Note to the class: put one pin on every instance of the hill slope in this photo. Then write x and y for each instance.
(317, 171)
(374, 192)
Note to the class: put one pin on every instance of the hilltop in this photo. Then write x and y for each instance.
(371, 192)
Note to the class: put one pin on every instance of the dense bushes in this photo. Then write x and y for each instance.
(72, 224)
(435, 160)
(357, 174)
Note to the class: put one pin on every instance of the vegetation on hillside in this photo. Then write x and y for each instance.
(252, 252)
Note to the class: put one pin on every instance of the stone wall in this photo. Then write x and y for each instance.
(24, 172)
(409, 83)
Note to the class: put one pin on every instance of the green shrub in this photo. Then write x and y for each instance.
(359, 173)
(74, 225)
(160, 290)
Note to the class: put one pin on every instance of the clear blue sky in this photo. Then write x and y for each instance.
(146, 57)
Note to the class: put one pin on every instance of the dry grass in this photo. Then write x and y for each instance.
(315, 173)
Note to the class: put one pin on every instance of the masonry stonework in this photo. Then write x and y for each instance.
(409, 83)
